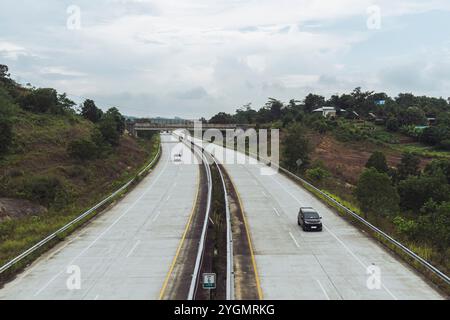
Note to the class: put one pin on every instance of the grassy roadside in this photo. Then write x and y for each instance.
(24, 232)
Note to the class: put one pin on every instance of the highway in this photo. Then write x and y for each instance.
(328, 265)
(126, 252)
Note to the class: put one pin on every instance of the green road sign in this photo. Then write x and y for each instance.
(209, 281)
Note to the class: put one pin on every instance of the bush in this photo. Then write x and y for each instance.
(6, 134)
(321, 125)
(445, 145)
(416, 191)
(90, 111)
(83, 149)
(376, 194)
(46, 190)
(378, 161)
(108, 129)
(392, 125)
(296, 150)
(404, 226)
(317, 174)
(40, 100)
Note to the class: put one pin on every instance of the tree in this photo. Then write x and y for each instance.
(313, 101)
(90, 111)
(296, 148)
(64, 103)
(275, 107)
(436, 224)
(108, 129)
(4, 72)
(118, 118)
(40, 100)
(375, 193)
(416, 191)
(392, 124)
(438, 167)
(409, 166)
(378, 161)
(412, 116)
(221, 118)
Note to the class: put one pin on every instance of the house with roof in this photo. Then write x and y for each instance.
(328, 112)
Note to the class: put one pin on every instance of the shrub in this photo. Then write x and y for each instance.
(317, 174)
(445, 145)
(392, 125)
(296, 150)
(404, 226)
(82, 149)
(46, 190)
(108, 129)
(90, 111)
(376, 194)
(378, 161)
(321, 125)
(40, 100)
(6, 134)
(416, 191)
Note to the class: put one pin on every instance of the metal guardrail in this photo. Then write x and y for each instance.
(390, 239)
(79, 218)
(201, 246)
(230, 266)
(200, 253)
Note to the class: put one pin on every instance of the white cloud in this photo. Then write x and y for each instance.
(197, 57)
(10, 50)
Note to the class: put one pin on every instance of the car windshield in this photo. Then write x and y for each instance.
(311, 215)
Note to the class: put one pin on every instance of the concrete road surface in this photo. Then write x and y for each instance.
(334, 264)
(127, 251)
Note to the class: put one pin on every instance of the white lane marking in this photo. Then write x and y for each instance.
(276, 211)
(96, 297)
(264, 194)
(339, 240)
(295, 241)
(168, 197)
(157, 215)
(134, 248)
(323, 289)
(106, 231)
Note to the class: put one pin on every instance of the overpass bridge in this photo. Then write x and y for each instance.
(135, 127)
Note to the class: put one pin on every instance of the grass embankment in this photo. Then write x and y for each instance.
(40, 154)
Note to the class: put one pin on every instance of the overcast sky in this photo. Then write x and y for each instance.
(193, 58)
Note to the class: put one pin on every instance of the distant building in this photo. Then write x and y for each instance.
(431, 121)
(328, 111)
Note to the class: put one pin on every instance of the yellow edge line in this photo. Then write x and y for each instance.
(255, 269)
(172, 266)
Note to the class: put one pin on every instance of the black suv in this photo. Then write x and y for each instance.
(309, 219)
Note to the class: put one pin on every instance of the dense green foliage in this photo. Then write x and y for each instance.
(378, 161)
(83, 149)
(296, 148)
(90, 111)
(376, 194)
(46, 190)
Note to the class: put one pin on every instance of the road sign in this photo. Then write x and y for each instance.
(209, 281)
